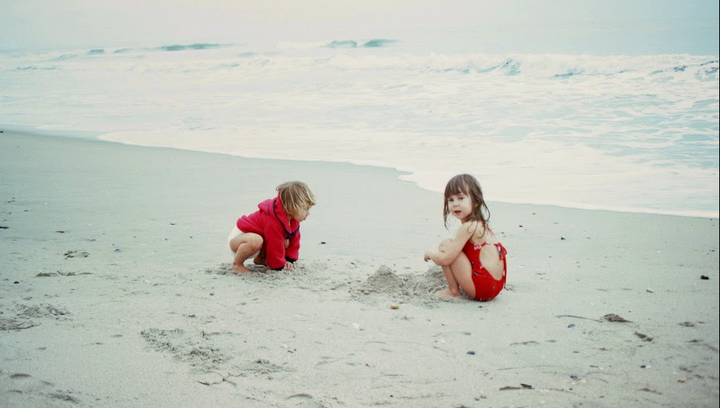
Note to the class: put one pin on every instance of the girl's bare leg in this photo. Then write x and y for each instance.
(458, 275)
(453, 288)
(244, 246)
(462, 271)
(260, 259)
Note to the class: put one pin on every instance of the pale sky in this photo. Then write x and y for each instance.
(630, 26)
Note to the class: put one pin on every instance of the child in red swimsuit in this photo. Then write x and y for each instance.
(474, 261)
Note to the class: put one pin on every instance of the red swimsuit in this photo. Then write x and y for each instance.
(486, 287)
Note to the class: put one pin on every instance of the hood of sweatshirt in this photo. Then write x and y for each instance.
(273, 208)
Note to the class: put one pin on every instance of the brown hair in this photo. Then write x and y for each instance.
(468, 185)
(295, 195)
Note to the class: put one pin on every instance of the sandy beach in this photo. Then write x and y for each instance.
(116, 291)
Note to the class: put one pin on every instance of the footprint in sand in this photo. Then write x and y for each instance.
(30, 391)
(60, 273)
(76, 254)
(26, 316)
(304, 401)
(261, 367)
(195, 349)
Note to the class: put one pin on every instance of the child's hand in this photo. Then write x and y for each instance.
(289, 266)
(428, 255)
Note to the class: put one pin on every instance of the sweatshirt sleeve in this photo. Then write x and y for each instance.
(274, 246)
(292, 253)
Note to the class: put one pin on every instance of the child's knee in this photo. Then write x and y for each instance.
(249, 241)
(287, 243)
(255, 241)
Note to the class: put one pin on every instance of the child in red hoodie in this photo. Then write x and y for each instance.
(272, 234)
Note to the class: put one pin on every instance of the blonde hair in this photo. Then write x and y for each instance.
(295, 196)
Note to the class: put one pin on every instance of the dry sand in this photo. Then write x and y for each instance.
(115, 291)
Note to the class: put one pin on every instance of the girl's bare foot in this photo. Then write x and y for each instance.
(446, 293)
(240, 269)
(259, 260)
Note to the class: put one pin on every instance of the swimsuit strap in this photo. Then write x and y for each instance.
(501, 249)
(503, 255)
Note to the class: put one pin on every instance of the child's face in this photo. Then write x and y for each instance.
(460, 206)
(301, 214)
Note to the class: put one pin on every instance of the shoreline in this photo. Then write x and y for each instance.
(402, 175)
(124, 296)
(407, 176)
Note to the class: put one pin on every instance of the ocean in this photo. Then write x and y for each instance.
(634, 133)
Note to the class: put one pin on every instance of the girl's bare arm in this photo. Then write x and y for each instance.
(450, 249)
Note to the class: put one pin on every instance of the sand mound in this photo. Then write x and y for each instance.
(408, 287)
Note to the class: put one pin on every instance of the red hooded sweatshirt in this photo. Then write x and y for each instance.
(272, 224)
